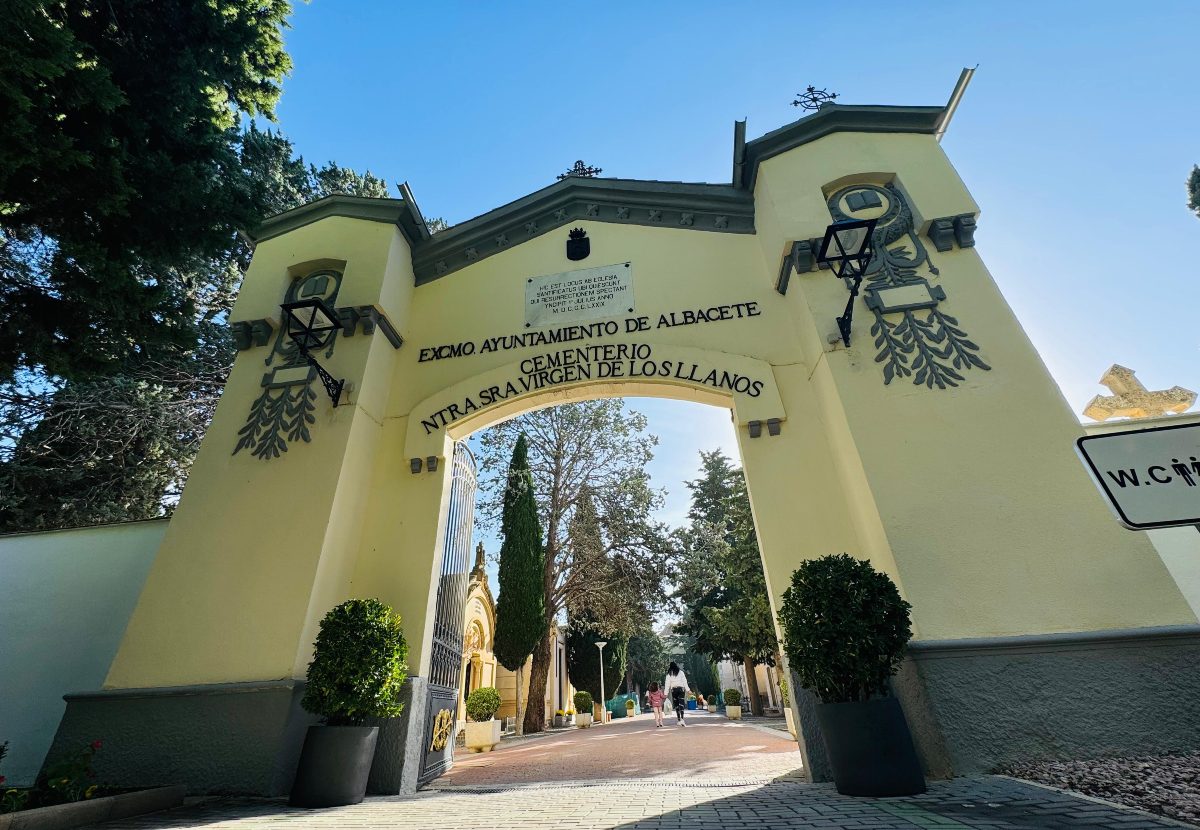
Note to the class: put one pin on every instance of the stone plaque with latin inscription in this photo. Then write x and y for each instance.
(574, 296)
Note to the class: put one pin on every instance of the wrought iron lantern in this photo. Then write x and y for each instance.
(311, 324)
(847, 249)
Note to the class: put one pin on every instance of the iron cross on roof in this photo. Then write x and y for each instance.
(1130, 398)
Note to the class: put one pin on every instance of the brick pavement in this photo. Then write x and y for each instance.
(744, 790)
(710, 749)
(976, 804)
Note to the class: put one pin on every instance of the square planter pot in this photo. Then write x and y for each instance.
(870, 748)
(334, 766)
(483, 737)
(583, 721)
(559, 721)
(691, 705)
(733, 712)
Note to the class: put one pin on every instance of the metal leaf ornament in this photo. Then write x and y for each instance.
(925, 344)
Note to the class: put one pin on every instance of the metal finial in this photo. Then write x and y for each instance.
(582, 171)
(813, 98)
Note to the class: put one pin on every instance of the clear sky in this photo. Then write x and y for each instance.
(1075, 136)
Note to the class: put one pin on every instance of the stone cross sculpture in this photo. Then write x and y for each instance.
(1130, 399)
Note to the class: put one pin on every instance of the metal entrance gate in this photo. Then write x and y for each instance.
(447, 646)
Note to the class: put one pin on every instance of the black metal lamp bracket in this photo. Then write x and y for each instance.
(847, 317)
(333, 387)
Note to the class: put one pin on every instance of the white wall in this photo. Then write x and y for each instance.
(65, 598)
(1179, 548)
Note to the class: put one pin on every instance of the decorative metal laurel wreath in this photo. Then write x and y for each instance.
(284, 411)
(923, 343)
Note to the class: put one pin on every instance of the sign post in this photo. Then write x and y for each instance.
(1150, 477)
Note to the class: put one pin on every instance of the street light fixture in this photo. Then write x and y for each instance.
(603, 710)
(311, 324)
(847, 248)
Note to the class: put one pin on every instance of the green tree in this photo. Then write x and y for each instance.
(118, 447)
(119, 166)
(719, 577)
(520, 608)
(647, 659)
(583, 657)
(588, 456)
(701, 672)
(1193, 190)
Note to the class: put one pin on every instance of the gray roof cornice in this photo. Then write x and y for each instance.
(718, 208)
(400, 212)
(831, 118)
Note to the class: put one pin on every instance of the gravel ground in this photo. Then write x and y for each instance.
(1166, 785)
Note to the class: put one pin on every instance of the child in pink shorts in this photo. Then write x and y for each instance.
(657, 698)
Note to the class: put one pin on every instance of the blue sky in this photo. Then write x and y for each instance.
(1075, 136)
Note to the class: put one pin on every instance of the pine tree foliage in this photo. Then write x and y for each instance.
(647, 658)
(520, 608)
(117, 446)
(1193, 190)
(119, 167)
(719, 574)
(584, 658)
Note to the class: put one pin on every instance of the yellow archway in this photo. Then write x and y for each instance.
(936, 445)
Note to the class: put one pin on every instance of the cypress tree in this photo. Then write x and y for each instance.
(521, 606)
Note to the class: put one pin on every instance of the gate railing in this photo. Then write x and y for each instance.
(447, 642)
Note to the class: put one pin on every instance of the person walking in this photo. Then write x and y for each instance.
(657, 699)
(677, 687)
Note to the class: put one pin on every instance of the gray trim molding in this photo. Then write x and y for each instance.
(696, 207)
(688, 206)
(833, 118)
(1051, 643)
(394, 211)
(944, 232)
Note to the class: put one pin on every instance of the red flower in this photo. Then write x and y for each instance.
(96, 744)
(2, 779)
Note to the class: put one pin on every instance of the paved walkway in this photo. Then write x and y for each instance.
(712, 774)
(710, 749)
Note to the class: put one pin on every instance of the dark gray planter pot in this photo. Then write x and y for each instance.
(334, 766)
(870, 748)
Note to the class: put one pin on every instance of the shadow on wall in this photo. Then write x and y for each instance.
(65, 600)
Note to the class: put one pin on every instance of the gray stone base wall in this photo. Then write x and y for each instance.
(975, 705)
(224, 738)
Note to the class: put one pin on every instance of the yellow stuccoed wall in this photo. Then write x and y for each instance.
(971, 498)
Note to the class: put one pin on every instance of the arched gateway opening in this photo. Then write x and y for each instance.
(935, 444)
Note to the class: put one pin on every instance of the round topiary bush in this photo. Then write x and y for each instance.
(733, 697)
(844, 628)
(358, 664)
(629, 704)
(482, 704)
(583, 702)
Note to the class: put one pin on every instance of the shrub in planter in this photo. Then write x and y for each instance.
(583, 704)
(629, 707)
(357, 672)
(845, 628)
(733, 704)
(483, 733)
(787, 710)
